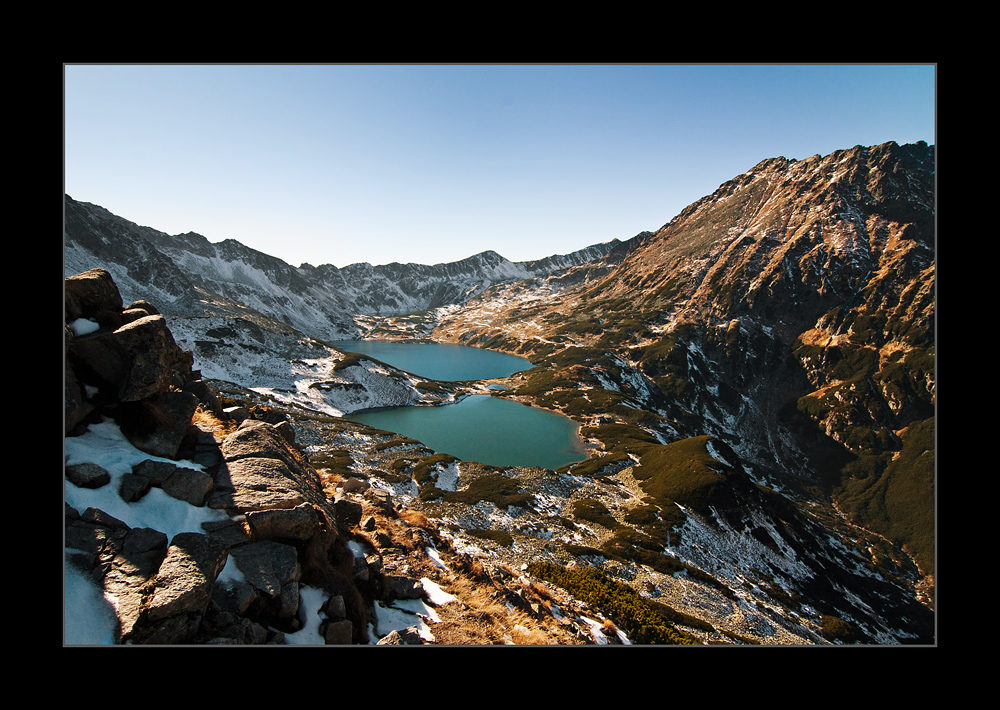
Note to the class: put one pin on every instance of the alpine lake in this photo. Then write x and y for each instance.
(491, 430)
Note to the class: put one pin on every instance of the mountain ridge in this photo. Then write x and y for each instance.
(320, 298)
(788, 313)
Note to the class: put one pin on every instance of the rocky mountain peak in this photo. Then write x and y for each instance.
(790, 314)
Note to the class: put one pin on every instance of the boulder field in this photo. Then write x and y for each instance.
(280, 527)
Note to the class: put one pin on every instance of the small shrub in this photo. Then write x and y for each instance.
(595, 511)
(683, 471)
(493, 487)
(501, 537)
(644, 622)
(835, 629)
(220, 429)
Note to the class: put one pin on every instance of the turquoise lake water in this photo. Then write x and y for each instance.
(490, 430)
(439, 361)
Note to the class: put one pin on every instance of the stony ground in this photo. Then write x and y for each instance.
(497, 601)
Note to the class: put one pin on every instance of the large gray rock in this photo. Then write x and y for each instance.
(127, 364)
(254, 439)
(163, 423)
(128, 575)
(157, 472)
(273, 569)
(255, 484)
(338, 632)
(131, 363)
(298, 523)
(88, 475)
(77, 404)
(402, 587)
(188, 485)
(185, 580)
(409, 636)
(234, 596)
(93, 538)
(120, 559)
(262, 471)
(91, 293)
(152, 352)
(348, 512)
(268, 565)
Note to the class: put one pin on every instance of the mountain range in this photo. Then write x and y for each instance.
(191, 276)
(760, 369)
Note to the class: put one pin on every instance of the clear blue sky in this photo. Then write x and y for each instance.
(433, 163)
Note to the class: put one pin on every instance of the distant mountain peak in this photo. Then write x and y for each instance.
(317, 299)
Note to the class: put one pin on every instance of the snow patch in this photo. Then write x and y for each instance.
(83, 326)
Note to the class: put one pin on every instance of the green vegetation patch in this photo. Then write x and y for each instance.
(335, 460)
(597, 465)
(644, 621)
(682, 471)
(623, 337)
(426, 470)
(621, 438)
(665, 362)
(593, 401)
(349, 360)
(647, 519)
(501, 537)
(493, 487)
(835, 629)
(909, 377)
(894, 496)
(581, 326)
(594, 511)
(541, 382)
(431, 386)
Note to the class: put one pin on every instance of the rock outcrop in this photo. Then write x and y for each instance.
(280, 528)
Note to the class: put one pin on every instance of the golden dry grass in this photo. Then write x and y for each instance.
(220, 429)
(482, 618)
(416, 519)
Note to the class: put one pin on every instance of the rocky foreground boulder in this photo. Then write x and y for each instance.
(280, 528)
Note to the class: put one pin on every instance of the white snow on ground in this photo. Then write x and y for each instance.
(82, 326)
(402, 615)
(436, 595)
(311, 601)
(721, 551)
(294, 370)
(89, 617)
(596, 631)
(105, 445)
(435, 558)
(447, 477)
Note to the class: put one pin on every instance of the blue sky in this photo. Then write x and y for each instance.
(433, 163)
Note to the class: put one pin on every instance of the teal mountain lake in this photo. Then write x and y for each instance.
(483, 428)
(439, 361)
(487, 429)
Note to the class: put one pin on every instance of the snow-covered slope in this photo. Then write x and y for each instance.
(191, 276)
(295, 369)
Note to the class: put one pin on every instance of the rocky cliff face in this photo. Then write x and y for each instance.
(123, 367)
(790, 315)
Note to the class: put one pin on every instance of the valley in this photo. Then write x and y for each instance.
(755, 383)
